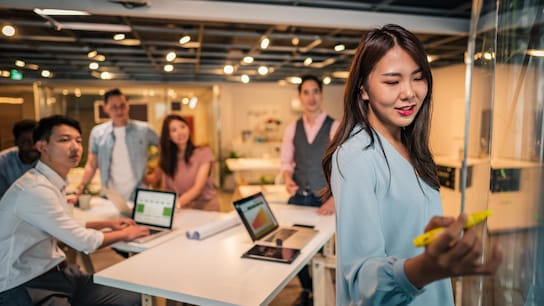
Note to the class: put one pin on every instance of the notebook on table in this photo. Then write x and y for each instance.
(264, 229)
(155, 210)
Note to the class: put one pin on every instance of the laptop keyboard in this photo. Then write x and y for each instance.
(153, 233)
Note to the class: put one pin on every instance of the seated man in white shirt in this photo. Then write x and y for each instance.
(34, 215)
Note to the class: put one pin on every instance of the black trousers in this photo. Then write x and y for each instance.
(69, 286)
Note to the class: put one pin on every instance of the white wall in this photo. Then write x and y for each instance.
(247, 106)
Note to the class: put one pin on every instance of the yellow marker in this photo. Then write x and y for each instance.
(473, 219)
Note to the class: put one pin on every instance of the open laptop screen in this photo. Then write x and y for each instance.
(256, 215)
(154, 207)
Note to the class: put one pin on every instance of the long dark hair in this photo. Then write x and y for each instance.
(169, 150)
(415, 137)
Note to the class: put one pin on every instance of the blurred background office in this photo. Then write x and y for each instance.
(231, 68)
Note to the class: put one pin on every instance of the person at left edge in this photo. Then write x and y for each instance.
(34, 215)
(17, 160)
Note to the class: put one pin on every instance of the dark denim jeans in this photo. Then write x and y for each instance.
(305, 200)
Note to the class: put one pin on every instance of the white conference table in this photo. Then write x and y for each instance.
(211, 271)
(184, 219)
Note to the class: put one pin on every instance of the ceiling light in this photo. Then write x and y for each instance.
(265, 43)
(32, 66)
(10, 100)
(55, 12)
(100, 57)
(93, 65)
(5, 73)
(244, 78)
(170, 56)
(263, 70)
(119, 36)
(294, 80)
(92, 53)
(106, 75)
(65, 92)
(192, 102)
(185, 39)
(185, 100)
(46, 73)
(430, 58)
(327, 80)
(248, 59)
(228, 69)
(168, 68)
(489, 55)
(535, 52)
(339, 47)
(77, 92)
(340, 74)
(19, 63)
(101, 92)
(308, 61)
(8, 30)
(295, 41)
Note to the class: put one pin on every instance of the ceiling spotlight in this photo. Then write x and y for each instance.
(295, 41)
(93, 65)
(100, 57)
(168, 68)
(265, 43)
(119, 36)
(248, 59)
(244, 78)
(339, 47)
(46, 73)
(308, 61)
(489, 55)
(77, 92)
(228, 69)
(294, 80)
(8, 30)
(19, 63)
(192, 102)
(170, 56)
(185, 39)
(65, 92)
(106, 75)
(430, 58)
(327, 80)
(263, 70)
(535, 52)
(185, 100)
(92, 53)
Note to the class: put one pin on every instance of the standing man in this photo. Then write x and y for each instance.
(34, 215)
(119, 148)
(17, 160)
(303, 146)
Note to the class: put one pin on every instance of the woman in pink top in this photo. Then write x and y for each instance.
(186, 169)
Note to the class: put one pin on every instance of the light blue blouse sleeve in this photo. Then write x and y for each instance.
(368, 275)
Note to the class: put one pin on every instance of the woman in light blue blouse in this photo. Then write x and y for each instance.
(381, 172)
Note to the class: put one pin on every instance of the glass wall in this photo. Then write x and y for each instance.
(503, 133)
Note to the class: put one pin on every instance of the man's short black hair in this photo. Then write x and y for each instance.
(112, 93)
(20, 127)
(309, 77)
(45, 126)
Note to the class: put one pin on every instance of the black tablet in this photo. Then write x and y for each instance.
(272, 253)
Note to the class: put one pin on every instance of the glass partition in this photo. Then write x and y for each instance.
(503, 145)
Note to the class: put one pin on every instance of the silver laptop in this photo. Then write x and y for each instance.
(153, 209)
(263, 228)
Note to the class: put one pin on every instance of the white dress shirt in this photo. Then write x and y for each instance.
(33, 215)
